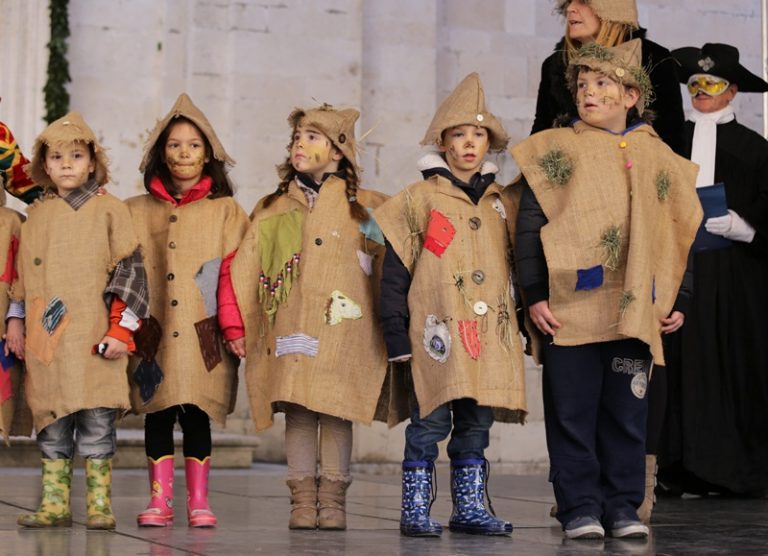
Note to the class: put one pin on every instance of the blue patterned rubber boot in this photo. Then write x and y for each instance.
(418, 495)
(468, 478)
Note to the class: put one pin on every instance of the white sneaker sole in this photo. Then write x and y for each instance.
(634, 531)
(586, 532)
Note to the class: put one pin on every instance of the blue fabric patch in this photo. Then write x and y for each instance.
(148, 377)
(53, 314)
(6, 362)
(589, 278)
(370, 229)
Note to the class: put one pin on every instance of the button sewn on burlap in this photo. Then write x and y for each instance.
(474, 223)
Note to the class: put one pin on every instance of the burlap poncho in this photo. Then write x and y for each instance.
(324, 350)
(622, 214)
(183, 247)
(14, 415)
(65, 262)
(464, 337)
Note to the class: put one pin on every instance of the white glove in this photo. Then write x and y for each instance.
(731, 226)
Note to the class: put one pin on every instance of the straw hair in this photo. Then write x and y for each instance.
(186, 108)
(466, 106)
(64, 131)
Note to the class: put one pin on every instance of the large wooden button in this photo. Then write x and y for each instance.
(38, 261)
(173, 218)
(480, 308)
(175, 333)
(170, 276)
(174, 302)
(474, 222)
(478, 277)
(318, 241)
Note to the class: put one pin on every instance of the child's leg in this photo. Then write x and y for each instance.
(158, 444)
(196, 426)
(572, 384)
(56, 442)
(301, 452)
(335, 453)
(622, 426)
(469, 470)
(421, 437)
(96, 441)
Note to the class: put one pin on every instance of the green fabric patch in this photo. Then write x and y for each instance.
(279, 251)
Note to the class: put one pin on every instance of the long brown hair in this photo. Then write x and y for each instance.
(610, 34)
(157, 166)
(287, 172)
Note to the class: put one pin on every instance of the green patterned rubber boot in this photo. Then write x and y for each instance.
(98, 495)
(54, 505)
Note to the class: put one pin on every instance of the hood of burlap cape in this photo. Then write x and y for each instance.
(622, 63)
(67, 129)
(619, 11)
(184, 107)
(466, 106)
(337, 125)
(633, 225)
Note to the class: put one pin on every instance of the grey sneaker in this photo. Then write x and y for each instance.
(629, 529)
(584, 527)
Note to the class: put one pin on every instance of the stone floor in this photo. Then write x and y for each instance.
(252, 507)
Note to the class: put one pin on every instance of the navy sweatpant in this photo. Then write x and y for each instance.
(595, 411)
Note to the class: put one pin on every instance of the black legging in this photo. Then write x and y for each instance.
(195, 424)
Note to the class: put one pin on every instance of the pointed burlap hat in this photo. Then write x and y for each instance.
(618, 11)
(337, 125)
(466, 106)
(184, 107)
(67, 129)
(622, 63)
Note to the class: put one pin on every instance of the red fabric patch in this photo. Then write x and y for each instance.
(10, 274)
(470, 337)
(6, 390)
(440, 233)
(199, 191)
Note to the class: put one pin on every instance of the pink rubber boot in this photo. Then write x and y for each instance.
(159, 512)
(198, 511)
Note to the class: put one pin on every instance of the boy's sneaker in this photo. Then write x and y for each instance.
(584, 527)
(629, 529)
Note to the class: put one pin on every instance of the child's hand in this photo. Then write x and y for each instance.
(673, 322)
(14, 338)
(115, 348)
(236, 347)
(543, 318)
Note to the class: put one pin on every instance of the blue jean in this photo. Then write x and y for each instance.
(595, 411)
(93, 430)
(468, 427)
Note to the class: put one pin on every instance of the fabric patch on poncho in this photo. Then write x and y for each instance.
(148, 376)
(207, 280)
(589, 278)
(440, 233)
(370, 229)
(437, 339)
(209, 337)
(341, 307)
(41, 342)
(9, 273)
(280, 254)
(6, 388)
(54, 312)
(470, 337)
(296, 343)
(366, 262)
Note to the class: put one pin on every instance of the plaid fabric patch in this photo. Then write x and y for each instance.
(78, 197)
(129, 283)
(309, 193)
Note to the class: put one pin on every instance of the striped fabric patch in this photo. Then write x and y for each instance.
(53, 314)
(297, 343)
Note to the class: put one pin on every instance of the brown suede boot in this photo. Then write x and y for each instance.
(646, 508)
(303, 503)
(332, 501)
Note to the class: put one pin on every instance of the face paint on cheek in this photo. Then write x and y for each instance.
(188, 167)
(318, 153)
(609, 100)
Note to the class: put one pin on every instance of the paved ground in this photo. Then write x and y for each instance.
(252, 506)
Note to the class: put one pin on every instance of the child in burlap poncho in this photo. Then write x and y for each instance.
(305, 280)
(448, 309)
(187, 222)
(77, 250)
(605, 225)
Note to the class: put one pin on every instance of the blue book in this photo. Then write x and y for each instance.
(712, 199)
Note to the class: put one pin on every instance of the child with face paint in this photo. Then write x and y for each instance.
(304, 279)
(718, 391)
(448, 311)
(76, 240)
(607, 217)
(187, 222)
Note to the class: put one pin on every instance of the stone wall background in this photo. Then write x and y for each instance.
(247, 63)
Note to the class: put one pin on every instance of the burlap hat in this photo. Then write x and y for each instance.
(621, 63)
(466, 106)
(721, 60)
(184, 107)
(337, 125)
(618, 11)
(68, 129)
